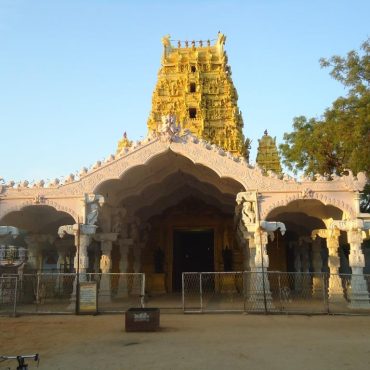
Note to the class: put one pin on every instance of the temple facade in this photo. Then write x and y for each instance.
(186, 199)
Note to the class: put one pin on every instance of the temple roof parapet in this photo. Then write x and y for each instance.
(197, 150)
(207, 50)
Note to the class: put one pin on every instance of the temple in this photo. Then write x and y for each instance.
(186, 199)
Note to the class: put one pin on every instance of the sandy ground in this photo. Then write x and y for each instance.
(191, 342)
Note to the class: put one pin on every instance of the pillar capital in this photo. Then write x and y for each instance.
(331, 236)
(333, 233)
(73, 230)
(355, 237)
(9, 230)
(347, 225)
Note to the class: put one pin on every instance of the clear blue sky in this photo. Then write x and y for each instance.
(76, 74)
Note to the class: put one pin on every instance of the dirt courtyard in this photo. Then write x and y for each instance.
(217, 342)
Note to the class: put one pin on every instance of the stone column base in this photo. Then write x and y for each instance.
(256, 295)
(122, 291)
(104, 294)
(359, 295)
(336, 294)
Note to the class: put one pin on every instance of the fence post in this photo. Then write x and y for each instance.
(244, 290)
(201, 292)
(142, 290)
(15, 297)
(37, 291)
(183, 291)
(280, 300)
(326, 277)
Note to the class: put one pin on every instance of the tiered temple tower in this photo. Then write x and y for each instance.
(267, 154)
(194, 84)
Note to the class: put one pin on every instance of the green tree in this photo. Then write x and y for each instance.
(340, 139)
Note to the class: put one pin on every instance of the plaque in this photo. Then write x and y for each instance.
(88, 298)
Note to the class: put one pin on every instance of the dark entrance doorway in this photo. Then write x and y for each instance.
(193, 251)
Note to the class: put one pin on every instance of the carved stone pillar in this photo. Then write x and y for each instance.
(137, 257)
(61, 247)
(22, 253)
(261, 260)
(106, 241)
(318, 277)
(252, 255)
(137, 251)
(250, 265)
(359, 294)
(34, 247)
(97, 259)
(335, 288)
(82, 237)
(81, 264)
(246, 257)
(297, 267)
(124, 245)
(2, 253)
(305, 265)
(335, 282)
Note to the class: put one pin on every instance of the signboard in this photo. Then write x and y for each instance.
(88, 298)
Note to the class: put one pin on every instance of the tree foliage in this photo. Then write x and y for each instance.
(340, 139)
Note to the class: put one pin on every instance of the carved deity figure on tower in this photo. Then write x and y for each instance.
(169, 126)
(124, 143)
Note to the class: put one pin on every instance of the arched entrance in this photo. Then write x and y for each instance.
(295, 251)
(173, 216)
(38, 227)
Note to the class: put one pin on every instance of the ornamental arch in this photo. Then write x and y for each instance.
(38, 234)
(172, 200)
(295, 252)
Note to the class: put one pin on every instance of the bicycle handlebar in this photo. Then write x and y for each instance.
(35, 357)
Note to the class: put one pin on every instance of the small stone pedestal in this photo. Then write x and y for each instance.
(142, 319)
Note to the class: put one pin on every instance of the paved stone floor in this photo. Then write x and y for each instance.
(217, 342)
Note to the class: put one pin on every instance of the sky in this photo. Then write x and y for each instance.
(76, 74)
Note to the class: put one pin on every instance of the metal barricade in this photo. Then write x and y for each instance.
(117, 292)
(53, 293)
(276, 292)
(46, 293)
(8, 295)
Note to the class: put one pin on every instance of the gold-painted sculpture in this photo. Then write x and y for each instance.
(194, 84)
(123, 143)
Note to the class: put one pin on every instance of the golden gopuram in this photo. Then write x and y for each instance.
(195, 86)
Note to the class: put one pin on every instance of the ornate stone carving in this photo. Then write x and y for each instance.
(273, 226)
(247, 206)
(9, 230)
(306, 193)
(169, 131)
(356, 183)
(39, 199)
(93, 203)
